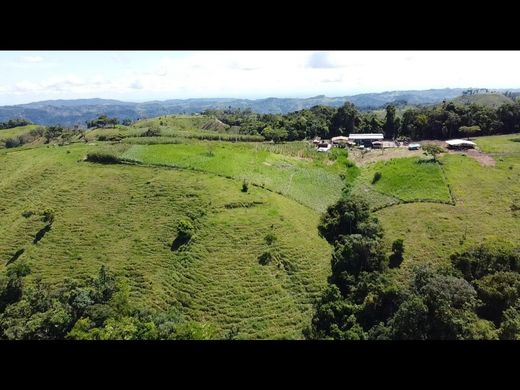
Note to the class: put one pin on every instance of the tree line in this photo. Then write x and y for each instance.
(443, 121)
(11, 123)
(475, 296)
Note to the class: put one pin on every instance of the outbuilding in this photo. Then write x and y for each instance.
(365, 138)
(460, 144)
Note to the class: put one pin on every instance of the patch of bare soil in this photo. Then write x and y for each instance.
(484, 159)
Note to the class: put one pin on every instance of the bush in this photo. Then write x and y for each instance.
(185, 229)
(377, 177)
(270, 238)
(152, 132)
(12, 142)
(103, 158)
(396, 258)
(245, 186)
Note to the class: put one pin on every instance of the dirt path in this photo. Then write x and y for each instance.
(484, 159)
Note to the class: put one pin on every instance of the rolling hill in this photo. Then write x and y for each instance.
(76, 112)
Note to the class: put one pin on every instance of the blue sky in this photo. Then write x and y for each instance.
(147, 75)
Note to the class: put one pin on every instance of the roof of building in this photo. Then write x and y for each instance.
(366, 136)
(455, 142)
(339, 138)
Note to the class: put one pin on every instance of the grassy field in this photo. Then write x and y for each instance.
(16, 131)
(484, 210)
(314, 183)
(403, 180)
(126, 217)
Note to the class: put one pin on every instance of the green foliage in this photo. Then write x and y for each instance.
(185, 229)
(52, 133)
(12, 123)
(510, 328)
(498, 292)
(102, 121)
(482, 260)
(396, 258)
(103, 157)
(350, 215)
(377, 177)
(355, 254)
(276, 134)
(469, 131)
(391, 125)
(153, 131)
(432, 150)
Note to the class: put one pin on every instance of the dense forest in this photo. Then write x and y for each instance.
(443, 121)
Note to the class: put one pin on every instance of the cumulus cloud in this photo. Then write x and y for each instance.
(31, 59)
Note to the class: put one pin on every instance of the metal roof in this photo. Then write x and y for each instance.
(366, 136)
(455, 142)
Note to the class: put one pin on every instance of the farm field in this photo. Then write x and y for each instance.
(311, 182)
(126, 217)
(485, 198)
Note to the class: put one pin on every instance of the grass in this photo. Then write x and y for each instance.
(127, 216)
(483, 196)
(406, 179)
(16, 131)
(314, 183)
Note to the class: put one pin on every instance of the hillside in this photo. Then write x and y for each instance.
(76, 112)
(126, 217)
(491, 100)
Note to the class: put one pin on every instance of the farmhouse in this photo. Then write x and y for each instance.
(460, 144)
(366, 138)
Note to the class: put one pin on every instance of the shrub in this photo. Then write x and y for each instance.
(396, 258)
(377, 177)
(152, 132)
(12, 142)
(270, 238)
(185, 229)
(103, 158)
(245, 186)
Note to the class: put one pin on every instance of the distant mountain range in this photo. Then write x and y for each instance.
(76, 112)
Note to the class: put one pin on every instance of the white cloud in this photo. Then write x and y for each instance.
(256, 74)
(31, 59)
(322, 60)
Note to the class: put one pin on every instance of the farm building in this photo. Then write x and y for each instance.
(460, 144)
(366, 138)
(340, 140)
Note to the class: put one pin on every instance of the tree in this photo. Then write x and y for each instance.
(391, 126)
(276, 134)
(479, 261)
(510, 328)
(346, 120)
(498, 292)
(53, 132)
(355, 254)
(335, 318)
(350, 215)
(432, 150)
(469, 131)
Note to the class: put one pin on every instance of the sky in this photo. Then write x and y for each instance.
(28, 76)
